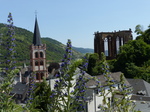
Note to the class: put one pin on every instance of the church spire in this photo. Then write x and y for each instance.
(36, 36)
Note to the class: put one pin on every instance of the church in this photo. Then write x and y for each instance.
(37, 67)
(38, 55)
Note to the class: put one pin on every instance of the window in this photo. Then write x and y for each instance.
(41, 62)
(121, 41)
(117, 45)
(36, 63)
(37, 76)
(42, 75)
(31, 63)
(41, 54)
(106, 46)
(36, 54)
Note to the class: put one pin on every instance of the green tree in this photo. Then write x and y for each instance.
(93, 59)
(135, 51)
(96, 64)
(143, 35)
(40, 99)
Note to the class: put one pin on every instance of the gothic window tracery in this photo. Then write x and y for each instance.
(121, 41)
(37, 76)
(106, 47)
(117, 45)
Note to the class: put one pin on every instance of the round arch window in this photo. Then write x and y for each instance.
(36, 63)
(41, 54)
(41, 62)
(36, 54)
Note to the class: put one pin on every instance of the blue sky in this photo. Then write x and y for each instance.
(77, 19)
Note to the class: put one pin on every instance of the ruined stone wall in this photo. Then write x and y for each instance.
(109, 42)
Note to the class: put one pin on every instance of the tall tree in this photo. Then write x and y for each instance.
(136, 51)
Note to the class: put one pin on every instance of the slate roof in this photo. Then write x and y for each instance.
(19, 88)
(36, 36)
(140, 98)
(115, 76)
(138, 85)
(27, 73)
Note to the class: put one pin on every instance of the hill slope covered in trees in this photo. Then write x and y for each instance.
(54, 52)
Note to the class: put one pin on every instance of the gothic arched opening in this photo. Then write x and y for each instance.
(117, 45)
(106, 51)
(121, 41)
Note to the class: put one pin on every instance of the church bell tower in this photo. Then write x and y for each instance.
(38, 55)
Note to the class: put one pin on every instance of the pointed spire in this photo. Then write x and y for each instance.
(36, 36)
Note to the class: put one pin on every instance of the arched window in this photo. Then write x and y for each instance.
(31, 63)
(41, 62)
(36, 63)
(106, 47)
(36, 54)
(37, 76)
(42, 75)
(117, 45)
(121, 41)
(41, 54)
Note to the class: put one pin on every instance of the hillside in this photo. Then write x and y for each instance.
(83, 50)
(54, 52)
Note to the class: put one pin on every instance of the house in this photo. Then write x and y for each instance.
(19, 92)
(37, 67)
(141, 89)
(93, 93)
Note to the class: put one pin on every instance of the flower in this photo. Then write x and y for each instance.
(57, 75)
(10, 49)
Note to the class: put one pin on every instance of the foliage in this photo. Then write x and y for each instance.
(96, 63)
(139, 30)
(143, 35)
(7, 104)
(133, 59)
(136, 51)
(93, 59)
(139, 72)
(39, 99)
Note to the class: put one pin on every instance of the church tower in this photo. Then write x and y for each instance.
(38, 55)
